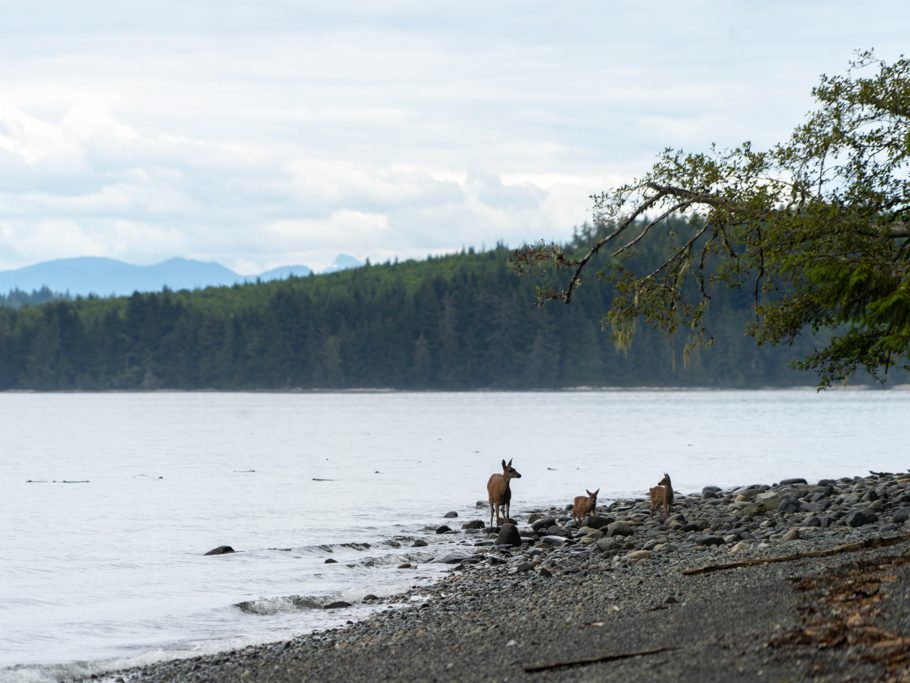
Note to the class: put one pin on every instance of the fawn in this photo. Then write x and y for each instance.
(662, 496)
(584, 505)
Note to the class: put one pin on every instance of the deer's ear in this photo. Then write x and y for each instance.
(588, 492)
(510, 462)
(503, 463)
(596, 492)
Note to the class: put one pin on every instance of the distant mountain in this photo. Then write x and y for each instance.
(342, 262)
(109, 277)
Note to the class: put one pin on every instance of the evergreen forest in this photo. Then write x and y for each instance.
(458, 322)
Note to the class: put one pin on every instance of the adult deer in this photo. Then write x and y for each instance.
(498, 491)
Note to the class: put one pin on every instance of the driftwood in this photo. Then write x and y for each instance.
(869, 543)
(536, 668)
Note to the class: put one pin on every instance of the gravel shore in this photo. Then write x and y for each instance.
(822, 592)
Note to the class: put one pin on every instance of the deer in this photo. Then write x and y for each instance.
(662, 496)
(584, 505)
(498, 491)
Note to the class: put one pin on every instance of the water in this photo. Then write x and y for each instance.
(109, 570)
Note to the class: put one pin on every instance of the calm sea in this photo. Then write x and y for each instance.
(108, 502)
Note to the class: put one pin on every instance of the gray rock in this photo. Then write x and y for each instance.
(860, 518)
(619, 529)
(454, 558)
(607, 543)
(791, 535)
(788, 505)
(443, 529)
(508, 535)
(450, 515)
(473, 524)
(708, 539)
(419, 543)
(769, 500)
(811, 507)
(902, 514)
(553, 540)
(793, 481)
(543, 523)
(597, 522)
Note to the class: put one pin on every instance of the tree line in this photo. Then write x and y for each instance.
(459, 322)
(17, 298)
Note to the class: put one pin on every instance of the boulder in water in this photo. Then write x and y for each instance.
(221, 550)
(340, 604)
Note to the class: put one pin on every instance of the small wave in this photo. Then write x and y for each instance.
(324, 548)
(29, 673)
(280, 605)
(394, 560)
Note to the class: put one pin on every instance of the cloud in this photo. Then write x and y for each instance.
(269, 133)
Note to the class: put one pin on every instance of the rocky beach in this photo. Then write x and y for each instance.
(788, 581)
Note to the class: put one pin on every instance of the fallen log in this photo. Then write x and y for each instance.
(536, 668)
(867, 544)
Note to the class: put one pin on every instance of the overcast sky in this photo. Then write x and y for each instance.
(266, 133)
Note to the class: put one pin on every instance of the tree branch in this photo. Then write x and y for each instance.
(644, 231)
(576, 275)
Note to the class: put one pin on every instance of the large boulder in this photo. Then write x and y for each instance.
(508, 535)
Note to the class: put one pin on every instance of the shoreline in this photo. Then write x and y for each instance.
(612, 601)
(578, 389)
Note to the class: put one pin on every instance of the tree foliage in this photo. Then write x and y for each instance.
(816, 229)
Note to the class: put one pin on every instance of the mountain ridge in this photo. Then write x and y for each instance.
(102, 276)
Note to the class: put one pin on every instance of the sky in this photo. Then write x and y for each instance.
(266, 133)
